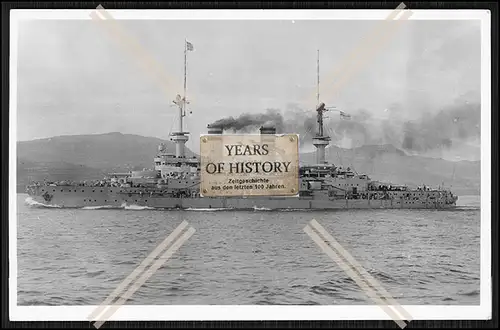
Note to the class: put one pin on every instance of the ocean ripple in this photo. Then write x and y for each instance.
(79, 256)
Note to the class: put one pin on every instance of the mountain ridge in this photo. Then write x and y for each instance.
(91, 156)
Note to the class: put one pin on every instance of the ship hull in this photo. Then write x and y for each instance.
(79, 197)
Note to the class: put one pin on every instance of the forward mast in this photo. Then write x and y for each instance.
(181, 137)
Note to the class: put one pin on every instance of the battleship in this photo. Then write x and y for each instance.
(173, 182)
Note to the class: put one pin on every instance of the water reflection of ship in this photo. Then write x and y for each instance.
(175, 183)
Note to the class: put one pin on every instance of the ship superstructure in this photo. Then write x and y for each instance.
(174, 182)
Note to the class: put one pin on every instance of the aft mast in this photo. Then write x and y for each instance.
(320, 141)
(180, 137)
(317, 73)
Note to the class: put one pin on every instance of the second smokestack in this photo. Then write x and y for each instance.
(215, 130)
(268, 130)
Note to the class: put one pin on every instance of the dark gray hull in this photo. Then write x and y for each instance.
(91, 197)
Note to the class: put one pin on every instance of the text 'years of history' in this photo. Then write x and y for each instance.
(249, 165)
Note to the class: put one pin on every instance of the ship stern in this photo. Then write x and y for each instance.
(451, 199)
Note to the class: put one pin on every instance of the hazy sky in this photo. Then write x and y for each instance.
(75, 78)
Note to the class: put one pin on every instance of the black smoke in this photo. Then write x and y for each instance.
(295, 120)
(444, 129)
(447, 128)
(452, 125)
(248, 122)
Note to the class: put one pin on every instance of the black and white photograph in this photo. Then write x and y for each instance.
(376, 208)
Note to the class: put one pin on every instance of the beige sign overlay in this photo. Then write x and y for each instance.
(357, 273)
(105, 311)
(249, 165)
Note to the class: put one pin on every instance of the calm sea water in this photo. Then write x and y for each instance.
(78, 257)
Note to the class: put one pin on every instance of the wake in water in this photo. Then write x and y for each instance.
(466, 208)
(101, 207)
(209, 209)
(29, 201)
(136, 207)
(33, 203)
(124, 206)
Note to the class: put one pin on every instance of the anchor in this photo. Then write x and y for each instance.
(47, 197)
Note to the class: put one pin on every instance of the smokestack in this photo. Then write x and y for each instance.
(268, 130)
(267, 136)
(214, 130)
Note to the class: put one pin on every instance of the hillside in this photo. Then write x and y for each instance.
(28, 171)
(82, 157)
(104, 151)
(79, 157)
(388, 163)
